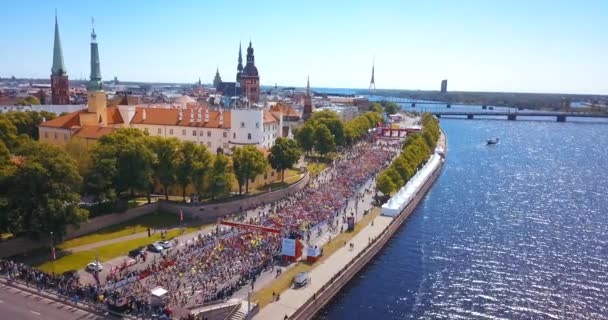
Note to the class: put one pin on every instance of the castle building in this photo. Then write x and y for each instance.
(59, 78)
(250, 79)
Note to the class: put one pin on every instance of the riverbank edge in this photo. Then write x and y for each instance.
(313, 305)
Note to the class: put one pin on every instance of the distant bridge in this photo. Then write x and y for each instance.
(560, 116)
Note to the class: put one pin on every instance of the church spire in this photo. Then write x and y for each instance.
(308, 85)
(217, 81)
(58, 68)
(95, 79)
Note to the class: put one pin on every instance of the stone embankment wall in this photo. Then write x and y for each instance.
(211, 212)
(329, 290)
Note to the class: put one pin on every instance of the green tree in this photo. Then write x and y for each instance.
(192, 166)
(80, 152)
(305, 138)
(6, 170)
(28, 101)
(8, 132)
(283, 155)
(164, 164)
(27, 122)
(384, 183)
(127, 151)
(375, 107)
(44, 191)
(390, 107)
(247, 163)
(324, 141)
(220, 181)
(331, 120)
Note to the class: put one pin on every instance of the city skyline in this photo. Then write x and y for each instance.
(517, 47)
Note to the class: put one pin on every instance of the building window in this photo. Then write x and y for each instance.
(249, 136)
(208, 133)
(225, 134)
(225, 146)
(265, 176)
(146, 130)
(55, 135)
(209, 144)
(183, 132)
(257, 124)
(65, 137)
(202, 133)
(242, 124)
(194, 133)
(171, 131)
(272, 173)
(46, 135)
(234, 135)
(159, 131)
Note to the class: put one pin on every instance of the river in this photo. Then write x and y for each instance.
(518, 230)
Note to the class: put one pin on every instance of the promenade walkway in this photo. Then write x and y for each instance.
(292, 299)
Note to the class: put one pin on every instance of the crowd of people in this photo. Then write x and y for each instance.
(212, 267)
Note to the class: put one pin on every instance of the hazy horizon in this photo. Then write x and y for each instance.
(540, 47)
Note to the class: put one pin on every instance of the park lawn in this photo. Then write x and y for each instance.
(77, 261)
(291, 176)
(316, 167)
(283, 282)
(139, 224)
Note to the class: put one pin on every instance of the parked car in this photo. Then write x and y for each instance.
(155, 247)
(71, 274)
(136, 252)
(302, 279)
(165, 244)
(94, 266)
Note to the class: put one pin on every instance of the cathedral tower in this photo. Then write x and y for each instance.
(250, 79)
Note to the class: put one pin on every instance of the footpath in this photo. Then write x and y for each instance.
(292, 299)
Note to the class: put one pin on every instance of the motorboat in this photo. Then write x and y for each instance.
(492, 141)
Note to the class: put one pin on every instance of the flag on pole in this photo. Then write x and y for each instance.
(181, 215)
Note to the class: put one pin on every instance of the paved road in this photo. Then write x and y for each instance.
(17, 304)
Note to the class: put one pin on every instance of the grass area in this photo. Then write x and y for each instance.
(139, 224)
(316, 167)
(291, 176)
(6, 236)
(283, 282)
(77, 261)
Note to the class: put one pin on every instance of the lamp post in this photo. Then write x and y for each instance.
(52, 253)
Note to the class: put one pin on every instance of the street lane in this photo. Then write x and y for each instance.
(17, 304)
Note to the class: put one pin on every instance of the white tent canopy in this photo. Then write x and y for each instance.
(402, 198)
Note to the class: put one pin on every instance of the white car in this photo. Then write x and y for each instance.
(94, 266)
(165, 244)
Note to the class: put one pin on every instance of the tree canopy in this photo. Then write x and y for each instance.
(417, 148)
(283, 155)
(44, 191)
(247, 163)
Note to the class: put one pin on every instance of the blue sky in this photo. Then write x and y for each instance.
(486, 45)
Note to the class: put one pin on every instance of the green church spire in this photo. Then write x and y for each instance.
(95, 80)
(58, 68)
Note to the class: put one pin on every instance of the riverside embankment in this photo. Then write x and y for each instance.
(337, 270)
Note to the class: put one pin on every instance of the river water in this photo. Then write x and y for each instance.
(518, 230)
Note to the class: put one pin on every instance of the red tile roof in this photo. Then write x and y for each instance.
(170, 117)
(269, 117)
(65, 122)
(93, 132)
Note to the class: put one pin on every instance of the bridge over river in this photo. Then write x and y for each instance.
(512, 115)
